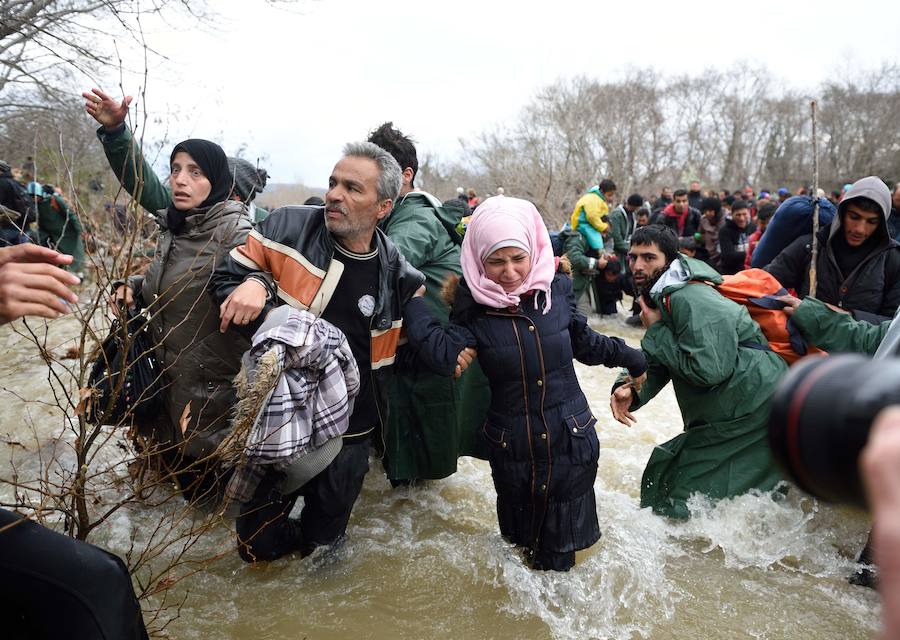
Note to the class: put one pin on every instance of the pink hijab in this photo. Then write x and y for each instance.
(504, 222)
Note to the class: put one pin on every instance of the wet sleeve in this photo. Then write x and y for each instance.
(837, 332)
(434, 345)
(592, 348)
(132, 169)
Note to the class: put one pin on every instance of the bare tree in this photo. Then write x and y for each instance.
(726, 128)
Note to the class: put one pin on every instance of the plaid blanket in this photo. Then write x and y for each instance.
(310, 403)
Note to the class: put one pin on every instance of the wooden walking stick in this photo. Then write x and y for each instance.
(815, 195)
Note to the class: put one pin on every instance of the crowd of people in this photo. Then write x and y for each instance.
(430, 330)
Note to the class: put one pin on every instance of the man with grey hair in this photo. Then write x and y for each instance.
(334, 262)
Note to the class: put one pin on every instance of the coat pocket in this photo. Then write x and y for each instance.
(496, 436)
(584, 447)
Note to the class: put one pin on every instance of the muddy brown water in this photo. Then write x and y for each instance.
(429, 562)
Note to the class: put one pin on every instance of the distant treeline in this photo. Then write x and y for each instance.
(725, 128)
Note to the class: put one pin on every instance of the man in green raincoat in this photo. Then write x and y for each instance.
(723, 373)
(432, 420)
(58, 226)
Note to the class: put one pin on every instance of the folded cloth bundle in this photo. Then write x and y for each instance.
(295, 397)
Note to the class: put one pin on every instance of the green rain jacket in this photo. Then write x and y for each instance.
(432, 420)
(59, 228)
(574, 247)
(837, 332)
(724, 375)
(618, 221)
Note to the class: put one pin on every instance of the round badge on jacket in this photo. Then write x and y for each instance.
(366, 305)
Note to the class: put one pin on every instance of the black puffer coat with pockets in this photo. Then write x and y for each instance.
(540, 429)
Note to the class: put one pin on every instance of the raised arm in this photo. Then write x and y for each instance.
(835, 331)
(124, 155)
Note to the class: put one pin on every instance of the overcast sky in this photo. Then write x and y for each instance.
(294, 86)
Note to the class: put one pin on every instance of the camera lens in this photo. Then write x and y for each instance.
(820, 419)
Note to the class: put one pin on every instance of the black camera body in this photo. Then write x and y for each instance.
(820, 419)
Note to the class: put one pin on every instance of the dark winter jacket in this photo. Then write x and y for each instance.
(733, 245)
(199, 361)
(540, 429)
(612, 291)
(872, 290)
(670, 218)
(292, 252)
(694, 199)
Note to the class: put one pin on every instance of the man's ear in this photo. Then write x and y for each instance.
(384, 208)
(408, 176)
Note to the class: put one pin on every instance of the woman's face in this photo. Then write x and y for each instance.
(190, 186)
(508, 267)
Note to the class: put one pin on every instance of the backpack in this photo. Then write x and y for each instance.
(758, 290)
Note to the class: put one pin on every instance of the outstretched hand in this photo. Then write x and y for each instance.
(32, 284)
(104, 109)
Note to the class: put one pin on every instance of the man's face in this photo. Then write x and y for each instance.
(666, 192)
(647, 261)
(352, 205)
(681, 204)
(709, 214)
(610, 196)
(695, 187)
(859, 224)
(642, 220)
(895, 197)
(741, 218)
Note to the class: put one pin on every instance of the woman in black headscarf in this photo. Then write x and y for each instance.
(196, 231)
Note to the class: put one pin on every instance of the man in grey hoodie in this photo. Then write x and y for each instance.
(858, 264)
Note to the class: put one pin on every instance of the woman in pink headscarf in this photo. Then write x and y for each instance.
(518, 311)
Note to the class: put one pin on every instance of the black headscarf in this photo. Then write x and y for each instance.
(214, 164)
